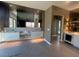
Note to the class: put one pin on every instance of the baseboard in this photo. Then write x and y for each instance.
(47, 42)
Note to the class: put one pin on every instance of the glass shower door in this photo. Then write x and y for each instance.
(57, 28)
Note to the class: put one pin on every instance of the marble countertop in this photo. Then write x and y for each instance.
(72, 33)
(9, 32)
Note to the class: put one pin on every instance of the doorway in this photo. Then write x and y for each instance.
(57, 28)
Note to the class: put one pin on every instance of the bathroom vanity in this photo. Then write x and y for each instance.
(9, 36)
(72, 38)
(20, 34)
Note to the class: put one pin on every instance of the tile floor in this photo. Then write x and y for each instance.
(37, 48)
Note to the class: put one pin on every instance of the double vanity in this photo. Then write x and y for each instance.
(20, 34)
(14, 47)
(7, 36)
(72, 38)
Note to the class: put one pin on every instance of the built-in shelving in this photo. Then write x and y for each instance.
(72, 22)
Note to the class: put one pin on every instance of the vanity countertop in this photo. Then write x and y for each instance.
(9, 32)
(73, 38)
(72, 33)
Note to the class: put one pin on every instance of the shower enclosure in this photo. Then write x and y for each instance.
(57, 28)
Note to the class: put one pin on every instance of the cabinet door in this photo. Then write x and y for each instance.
(68, 38)
(0, 37)
(75, 41)
(11, 36)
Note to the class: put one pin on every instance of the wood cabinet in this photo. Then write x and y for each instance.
(74, 21)
(72, 24)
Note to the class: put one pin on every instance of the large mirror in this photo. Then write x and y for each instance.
(24, 17)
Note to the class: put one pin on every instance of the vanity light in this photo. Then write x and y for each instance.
(66, 29)
(67, 24)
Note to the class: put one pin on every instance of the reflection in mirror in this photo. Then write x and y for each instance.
(24, 17)
(13, 16)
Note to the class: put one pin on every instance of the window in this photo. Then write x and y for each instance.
(38, 25)
(31, 24)
(12, 23)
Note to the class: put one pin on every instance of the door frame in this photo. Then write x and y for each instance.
(62, 27)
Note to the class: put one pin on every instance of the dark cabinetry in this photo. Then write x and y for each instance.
(72, 24)
(74, 21)
(68, 38)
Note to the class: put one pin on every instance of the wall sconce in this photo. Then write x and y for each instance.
(67, 25)
(66, 29)
(67, 19)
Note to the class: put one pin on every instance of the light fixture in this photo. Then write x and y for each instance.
(67, 19)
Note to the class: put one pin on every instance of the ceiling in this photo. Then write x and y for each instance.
(43, 5)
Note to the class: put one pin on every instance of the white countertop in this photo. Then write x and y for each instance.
(9, 32)
(72, 33)
(74, 40)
